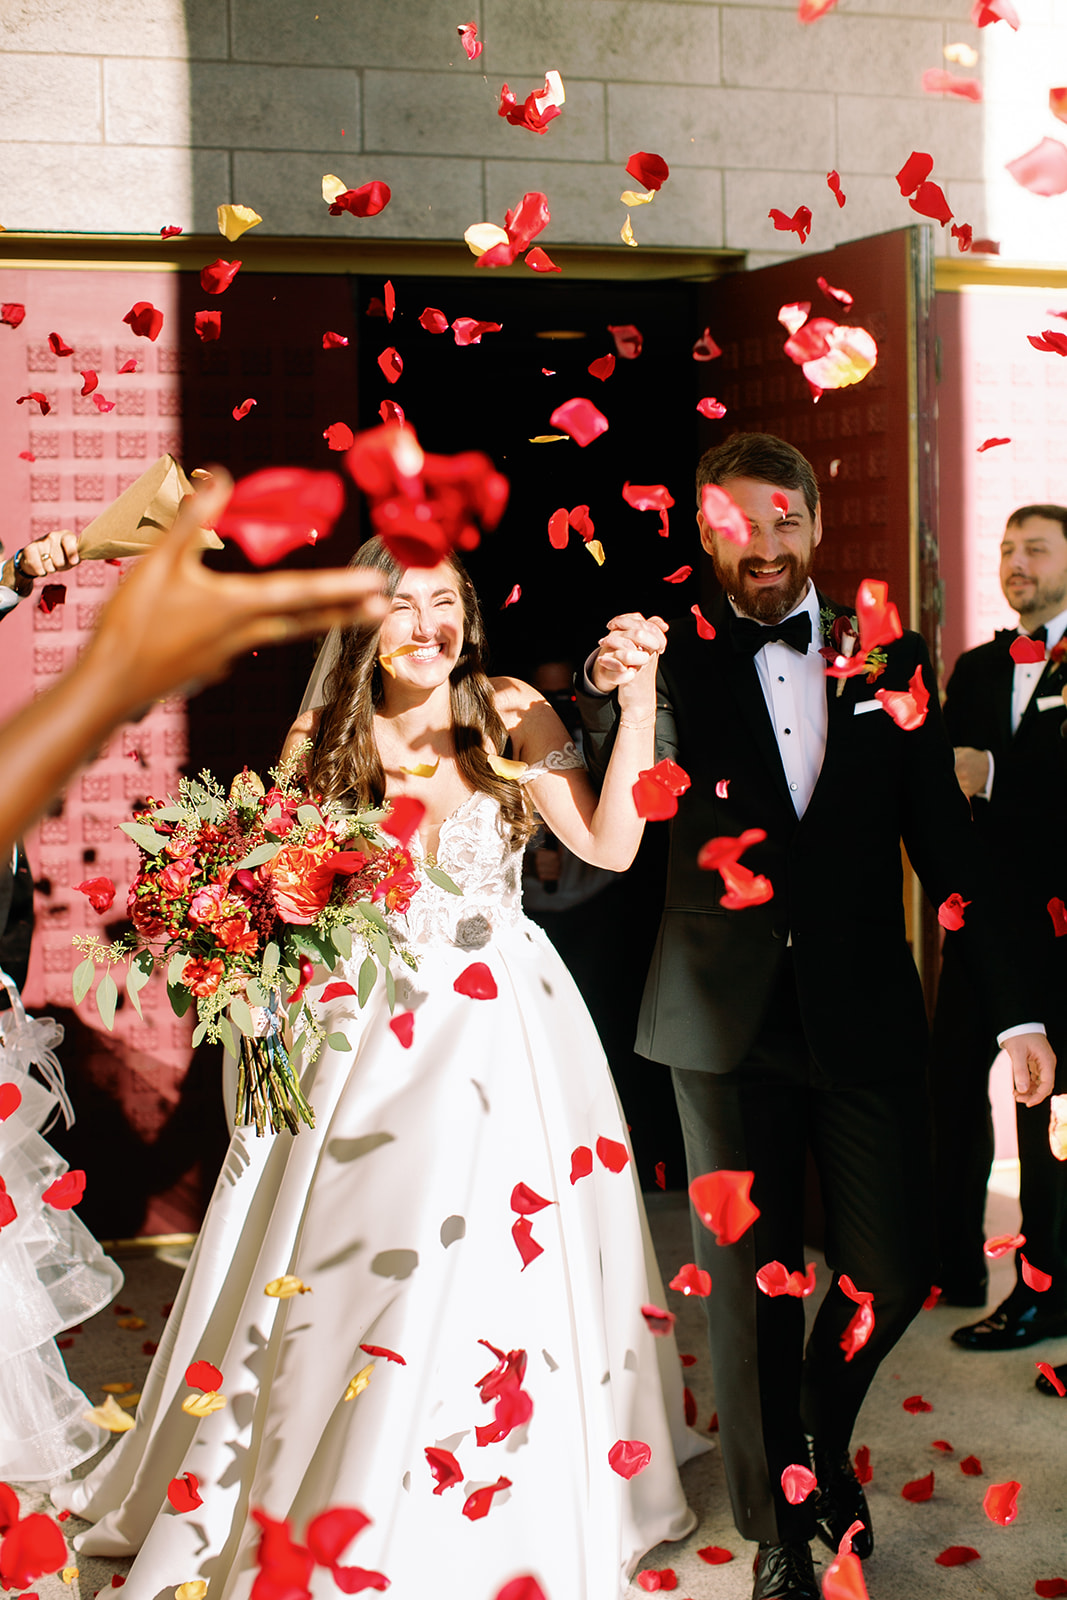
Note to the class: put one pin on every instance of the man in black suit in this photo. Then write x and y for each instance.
(800, 1020)
(1005, 717)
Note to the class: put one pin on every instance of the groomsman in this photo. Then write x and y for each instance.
(1004, 712)
(798, 1020)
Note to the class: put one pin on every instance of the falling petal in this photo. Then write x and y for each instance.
(775, 1279)
(1033, 1277)
(66, 1191)
(721, 1201)
(208, 325)
(936, 80)
(723, 514)
(602, 367)
(468, 330)
(679, 575)
(626, 232)
(285, 1287)
(950, 912)
(647, 169)
(908, 709)
(58, 347)
(879, 620)
(468, 38)
(332, 341)
(339, 436)
(915, 171)
(851, 355)
(538, 109)
(477, 1505)
(581, 1163)
(580, 419)
(629, 340)
(366, 201)
(539, 261)
(512, 770)
(144, 320)
(691, 1279)
(798, 1483)
(217, 277)
(833, 183)
(526, 1201)
(843, 1579)
(659, 1322)
(799, 223)
(628, 1457)
(991, 444)
(203, 1375)
(1053, 1377)
(929, 201)
(389, 294)
(274, 511)
(110, 1416)
(612, 1155)
(184, 1493)
(722, 789)
(705, 348)
(235, 220)
(41, 399)
(794, 315)
(392, 364)
(709, 407)
(483, 236)
(476, 982)
(841, 295)
(11, 313)
(446, 1470)
(962, 55)
(360, 1382)
(1050, 340)
(403, 1026)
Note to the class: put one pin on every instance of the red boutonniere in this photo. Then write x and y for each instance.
(842, 650)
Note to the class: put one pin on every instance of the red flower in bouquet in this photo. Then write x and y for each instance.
(399, 883)
(203, 977)
(235, 935)
(206, 904)
(174, 879)
(301, 879)
(145, 910)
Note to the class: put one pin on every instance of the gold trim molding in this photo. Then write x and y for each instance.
(955, 274)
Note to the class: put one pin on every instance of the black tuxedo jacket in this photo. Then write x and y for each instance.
(1022, 823)
(837, 871)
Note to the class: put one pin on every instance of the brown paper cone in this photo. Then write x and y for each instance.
(141, 515)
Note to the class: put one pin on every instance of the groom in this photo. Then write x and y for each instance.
(800, 1021)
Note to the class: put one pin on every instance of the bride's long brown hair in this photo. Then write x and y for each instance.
(345, 764)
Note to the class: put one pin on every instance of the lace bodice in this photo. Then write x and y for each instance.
(478, 857)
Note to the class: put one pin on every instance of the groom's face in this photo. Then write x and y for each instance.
(767, 576)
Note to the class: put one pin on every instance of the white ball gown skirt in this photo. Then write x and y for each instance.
(395, 1211)
(53, 1275)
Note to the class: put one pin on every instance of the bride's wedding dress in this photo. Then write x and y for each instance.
(397, 1212)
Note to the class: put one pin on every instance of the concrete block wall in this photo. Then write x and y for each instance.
(124, 115)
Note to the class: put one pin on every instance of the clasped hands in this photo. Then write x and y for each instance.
(628, 656)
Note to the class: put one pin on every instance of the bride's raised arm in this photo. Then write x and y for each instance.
(605, 832)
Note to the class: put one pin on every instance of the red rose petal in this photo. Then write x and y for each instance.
(797, 1483)
(1048, 1372)
(971, 1467)
(468, 38)
(514, 594)
(468, 330)
(540, 262)
(650, 171)
(843, 1579)
(389, 300)
(679, 575)
(386, 1354)
(916, 1404)
(721, 1200)
(602, 367)
(715, 1555)
(476, 982)
(612, 1154)
(144, 320)
(722, 513)
(581, 420)
(58, 346)
(203, 1375)
(128, 366)
(389, 411)
(841, 295)
(8, 1214)
(653, 1579)
(938, 80)
(392, 364)
(1042, 170)
(799, 223)
(1057, 103)
(907, 709)
(433, 321)
(242, 410)
(1055, 343)
(334, 341)
(403, 1025)
(942, 1445)
(217, 277)
(477, 1505)
(405, 814)
(534, 113)
(990, 444)
(100, 893)
(66, 1191)
(628, 1457)
(1050, 1588)
(915, 171)
(833, 183)
(275, 511)
(559, 529)
(1000, 1502)
(366, 201)
(208, 324)
(525, 1243)
(33, 1547)
(649, 497)
(339, 436)
(691, 1279)
(661, 1174)
(722, 788)
(1033, 1277)
(628, 340)
(1023, 651)
(929, 201)
(524, 1588)
(527, 1201)
(775, 1279)
(184, 1493)
(862, 1464)
(581, 1162)
(41, 399)
(446, 1469)
(1058, 912)
(11, 313)
(329, 1535)
(861, 1326)
(710, 407)
(919, 1489)
(652, 801)
(1001, 1243)
(705, 348)
(10, 1100)
(170, 231)
(659, 1322)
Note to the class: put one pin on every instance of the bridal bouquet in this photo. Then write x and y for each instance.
(239, 897)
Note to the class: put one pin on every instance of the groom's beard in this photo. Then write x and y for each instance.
(765, 604)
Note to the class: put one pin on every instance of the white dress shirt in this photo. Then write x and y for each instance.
(794, 688)
(1025, 680)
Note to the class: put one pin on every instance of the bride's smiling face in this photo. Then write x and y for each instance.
(426, 623)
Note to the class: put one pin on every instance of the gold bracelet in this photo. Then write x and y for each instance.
(637, 727)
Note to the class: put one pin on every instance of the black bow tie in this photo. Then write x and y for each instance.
(1009, 635)
(749, 637)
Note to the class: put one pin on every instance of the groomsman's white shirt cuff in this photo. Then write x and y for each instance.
(986, 793)
(8, 599)
(1020, 1027)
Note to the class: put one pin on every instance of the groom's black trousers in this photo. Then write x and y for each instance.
(871, 1143)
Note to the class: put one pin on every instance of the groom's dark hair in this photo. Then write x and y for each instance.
(762, 456)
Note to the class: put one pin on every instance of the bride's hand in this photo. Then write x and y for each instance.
(628, 656)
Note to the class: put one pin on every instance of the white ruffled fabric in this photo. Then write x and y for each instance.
(53, 1273)
(396, 1212)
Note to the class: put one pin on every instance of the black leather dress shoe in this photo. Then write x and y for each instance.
(785, 1572)
(841, 1502)
(1042, 1383)
(1010, 1328)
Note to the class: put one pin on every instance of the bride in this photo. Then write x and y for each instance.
(470, 1366)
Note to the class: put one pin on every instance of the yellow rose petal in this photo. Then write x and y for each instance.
(626, 233)
(549, 438)
(596, 550)
(506, 769)
(235, 220)
(633, 197)
(195, 1589)
(962, 54)
(482, 236)
(284, 1288)
(422, 770)
(128, 1401)
(359, 1382)
(69, 1574)
(332, 187)
(110, 1416)
(116, 1388)
(202, 1405)
(131, 1324)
